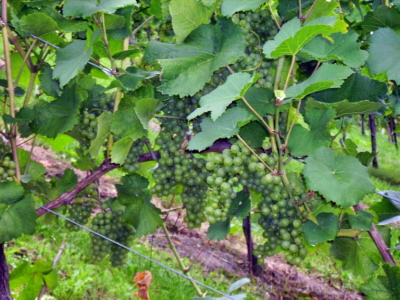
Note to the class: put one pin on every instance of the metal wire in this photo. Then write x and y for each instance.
(138, 253)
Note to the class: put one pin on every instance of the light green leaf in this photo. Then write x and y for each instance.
(229, 7)
(383, 287)
(219, 99)
(341, 179)
(385, 40)
(58, 116)
(103, 130)
(359, 255)
(86, 8)
(292, 36)
(187, 67)
(238, 284)
(37, 24)
(145, 110)
(17, 212)
(120, 150)
(362, 221)
(326, 229)
(159, 8)
(219, 230)
(305, 142)
(341, 47)
(327, 76)
(224, 127)
(187, 15)
(70, 60)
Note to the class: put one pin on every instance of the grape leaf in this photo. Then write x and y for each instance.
(292, 36)
(187, 15)
(327, 76)
(303, 141)
(383, 16)
(359, 255)
(58, 116)
(253, 134)
(224, 127)
(187, 67)
(240, 206)
(385, 210)
(229, 7)
(87, 8)
(219, 230)
(341, 179)
(37, 24)
(340, 47)
(261, 100)
(160, 8)
(140, 212)
(17, 212)
(385, 40)
(290, 8)
(132, 77)
(127, 53)
(47, 84)
(103, 130)
(362, 221)
(326, 229)
(219, 99)
(120, 150)
(383, 287)
(70, 60)
(321, 8)
(145, 110)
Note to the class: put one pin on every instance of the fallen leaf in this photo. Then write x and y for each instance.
(142, 281)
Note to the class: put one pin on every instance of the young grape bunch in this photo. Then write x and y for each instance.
(131, 164)
(80, 213)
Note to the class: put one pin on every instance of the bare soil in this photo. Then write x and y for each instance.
(278, 280)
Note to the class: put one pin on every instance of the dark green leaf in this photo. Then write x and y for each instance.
(326, 229)
(240, 206)
(383, 16)
(128, 53)
(219, 99)
(229, 7)
(187, 67)
(58, 116)
(37, 24)
(224, 127)
(383, 287)
(218, 231)
(17, 212)
(385, 40)
(126, 29)
(260, 100)
(89, 7)
(254, 134)
(47, 84)
(187, 15)
(340, 47)
(341, 179)
(362, 221)
(290, 8)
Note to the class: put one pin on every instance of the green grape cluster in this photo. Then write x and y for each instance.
(131, 164)
(80, 213)
(110, 224)
(7, 165)
(259, 27)
(87, 129)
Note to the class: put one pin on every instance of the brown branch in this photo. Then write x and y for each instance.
(68, 197)
(378, 239)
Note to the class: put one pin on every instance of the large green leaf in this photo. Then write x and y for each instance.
(361, 221)
(87, 8)
(383, 16)
(187, 15)
(340, 47)
(306, 141)
(37, 24)
(224, 127)
(58, 116)
(341, 179)
(327, 76)
(229, 7)
(387, 41)
(360, 255)
(326, 229)
(70, 60)
(187, 67)
(219, 99)
(160, 8)
(383, 287)
(140, 212)
(17, 212)
(292, 36)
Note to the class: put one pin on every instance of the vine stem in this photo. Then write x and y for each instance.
(378, 239)
(5, 293)
(251, 108)
(10, 88)
(292, 124)
(179, 260)
(290, 72)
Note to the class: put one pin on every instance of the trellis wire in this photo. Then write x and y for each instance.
(138, 253)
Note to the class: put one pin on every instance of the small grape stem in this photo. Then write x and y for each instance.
(291, 69)
(30, 89)
(256, 155)
(292, 124)
(179, 260)
(377, 238)
(142, 25)
(273, 15)
(198, 255)
(251, 108)
(310, 10)
(21, 69)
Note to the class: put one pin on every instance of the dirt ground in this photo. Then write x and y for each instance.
(278, 280)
